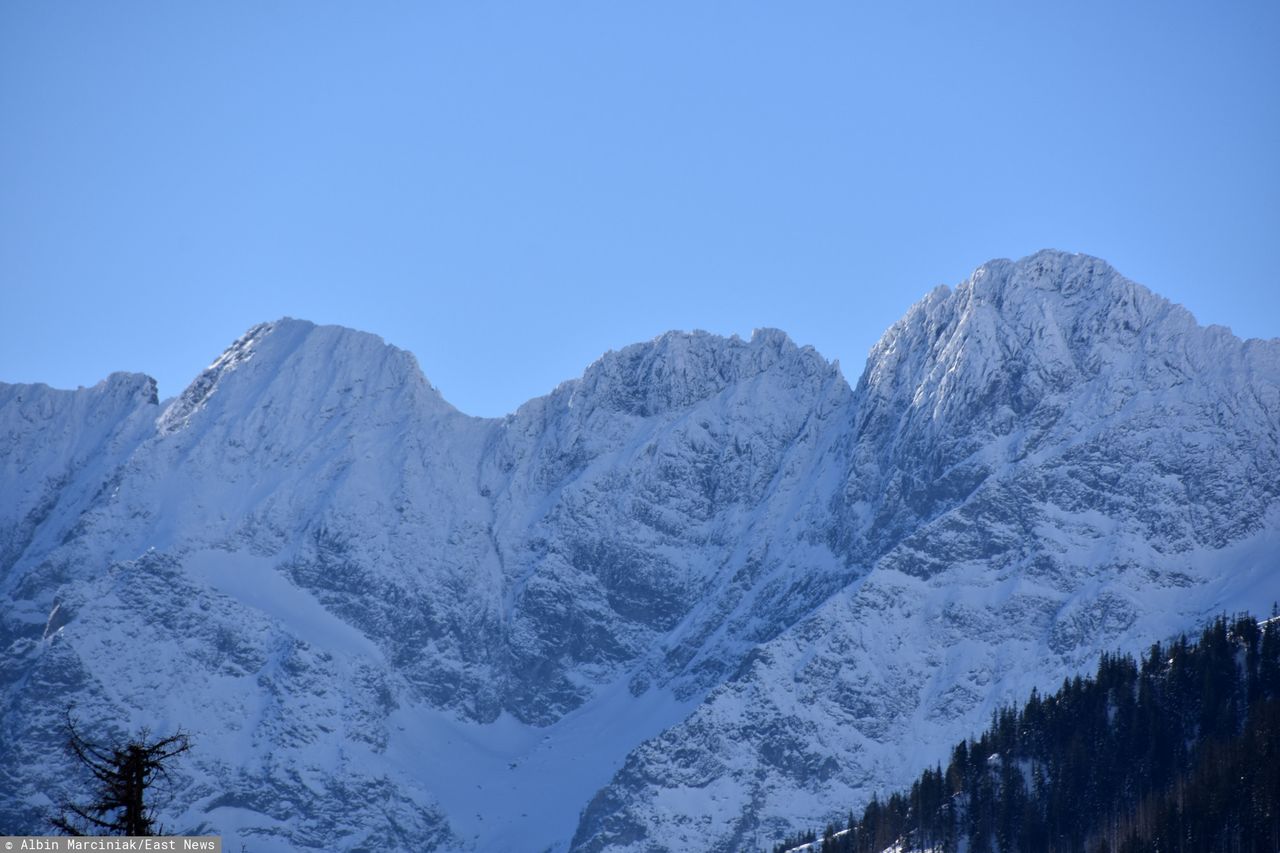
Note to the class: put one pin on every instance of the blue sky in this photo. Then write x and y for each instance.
(509, 190)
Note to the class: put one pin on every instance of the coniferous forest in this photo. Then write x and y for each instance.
(1177, 751)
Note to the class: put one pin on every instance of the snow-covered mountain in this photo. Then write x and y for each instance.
(705, 589)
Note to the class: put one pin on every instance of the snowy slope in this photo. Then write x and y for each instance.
(707, 587)
(1048, 462)
(58, 450)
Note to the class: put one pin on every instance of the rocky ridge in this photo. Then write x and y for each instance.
(709, 586)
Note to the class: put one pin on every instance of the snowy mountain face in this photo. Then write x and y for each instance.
(703, 591)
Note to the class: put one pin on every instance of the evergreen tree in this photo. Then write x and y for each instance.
(1179, 750)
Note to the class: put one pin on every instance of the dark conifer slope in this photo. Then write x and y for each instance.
(1177, 751)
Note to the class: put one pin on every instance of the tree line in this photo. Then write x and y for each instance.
(1178, 750)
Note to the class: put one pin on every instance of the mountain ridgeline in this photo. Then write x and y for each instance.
(1177, 750)
(710, 588)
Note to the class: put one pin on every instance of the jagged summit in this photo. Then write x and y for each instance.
(677, 369)
(118, 382)
(299, 364)
(1081, 294)
(1016, 332)
(1029, 355)
(1067, 273)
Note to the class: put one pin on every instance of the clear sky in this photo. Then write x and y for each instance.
(508, 190)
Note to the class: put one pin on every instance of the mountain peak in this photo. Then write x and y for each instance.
(289, 355)
(1073, 312)
(1018, 341)
(1052, 315)
(679, 368)
(1050, 269)
(1050, 283)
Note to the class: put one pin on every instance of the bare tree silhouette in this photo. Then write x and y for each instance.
(124, 773)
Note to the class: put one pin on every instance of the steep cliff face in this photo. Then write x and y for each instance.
(58, 451)
(707, 587)
(637, 507)
(1045, 463)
